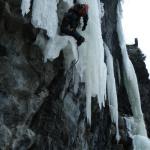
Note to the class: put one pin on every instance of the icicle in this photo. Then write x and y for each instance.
(91, 64)
(111, 90)
(25, 6)
(130, 81)
(44, 15)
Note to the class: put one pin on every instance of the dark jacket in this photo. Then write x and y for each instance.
(72, 18)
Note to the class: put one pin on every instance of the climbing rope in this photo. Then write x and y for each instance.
(73, 63)
(69, 74)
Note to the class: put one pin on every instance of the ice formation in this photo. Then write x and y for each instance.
(138, 130)
(130, 125)
(54, 46)
(130, 81)
(141, 143)
(111, 89)
(91, 64)
(25, 6)
(44, 15)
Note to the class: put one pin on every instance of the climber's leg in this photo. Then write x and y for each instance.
(73, 33)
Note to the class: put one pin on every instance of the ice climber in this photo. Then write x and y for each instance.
(71, 21)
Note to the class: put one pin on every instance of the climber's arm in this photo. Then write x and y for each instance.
(85, 20)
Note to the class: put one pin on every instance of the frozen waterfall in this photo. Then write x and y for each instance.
(130, 81)
(44, 14)
(91, 64)
(25, 6)
(140, 139)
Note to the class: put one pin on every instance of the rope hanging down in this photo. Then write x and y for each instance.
(73, 63)
(69, 76)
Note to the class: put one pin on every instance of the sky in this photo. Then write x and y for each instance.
(136, 24)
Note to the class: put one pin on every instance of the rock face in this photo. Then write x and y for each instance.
(33, 114)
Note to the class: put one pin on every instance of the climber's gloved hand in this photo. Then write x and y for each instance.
(83, 28)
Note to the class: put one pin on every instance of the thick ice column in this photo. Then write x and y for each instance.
(141, 143)
(91, 64)
(130, 81)
(111, 90)
(44, 15)
(25, 6)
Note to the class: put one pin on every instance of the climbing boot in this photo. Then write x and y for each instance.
(80, 40)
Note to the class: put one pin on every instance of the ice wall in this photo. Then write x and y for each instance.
(44, 15)
(91, 64)
(25, 6)
(136, 126)
(130, 81)
(139, 142)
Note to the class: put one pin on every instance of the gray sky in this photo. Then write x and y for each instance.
(136, 23)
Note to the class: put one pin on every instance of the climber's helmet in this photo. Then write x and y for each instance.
(84, 9)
